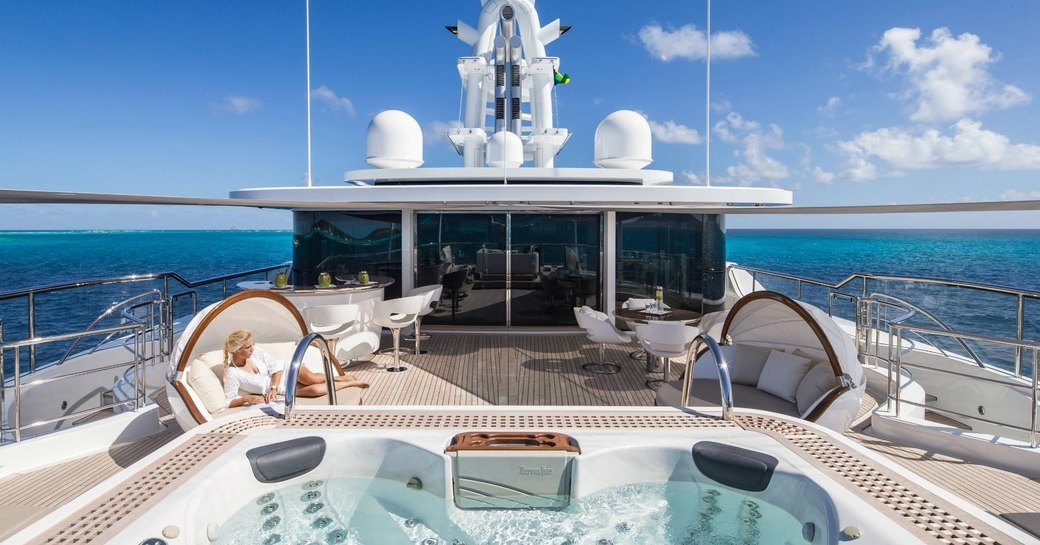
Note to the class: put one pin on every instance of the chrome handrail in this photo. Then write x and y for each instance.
(1020, 295)
(30, 294)
(897, 302)
(105, 314)
(293, 371)
(136, 329)
(725, 386)
(1035, 391)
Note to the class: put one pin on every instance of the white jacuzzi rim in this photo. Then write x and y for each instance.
(841, 507)
(44, 526)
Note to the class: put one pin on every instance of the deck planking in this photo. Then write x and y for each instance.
(498, 369)
(510, 369)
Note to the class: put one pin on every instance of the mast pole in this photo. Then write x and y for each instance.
(308, 93)
(707, 108)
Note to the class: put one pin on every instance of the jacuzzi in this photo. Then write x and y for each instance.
(628, 486)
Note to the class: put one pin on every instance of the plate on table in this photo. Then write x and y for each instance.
(655, 312)
(280, 288)
(330, 286)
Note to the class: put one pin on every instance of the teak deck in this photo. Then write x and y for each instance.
(534, 370)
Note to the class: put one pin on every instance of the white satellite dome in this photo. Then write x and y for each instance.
(505, 149)
(395, 140)
(623, 141)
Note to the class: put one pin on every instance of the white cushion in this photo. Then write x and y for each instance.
(817, 382)
(205, 382)
(746, 363)
(782, 374)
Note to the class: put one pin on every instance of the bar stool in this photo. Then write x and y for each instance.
(453, 282)
(331, 321)
(397, 314)
(665, 340)
(433, 292)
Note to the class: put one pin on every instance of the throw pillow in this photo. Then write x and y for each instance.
(782, 374)
(207, 386)
(746, 363)
(818, 381)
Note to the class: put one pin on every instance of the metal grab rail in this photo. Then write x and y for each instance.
(725, 386)
(105, 314)
(30, 294)
(137, 330)
(898, 302)
(1020, 295)
(293, 373)
(1034, 441)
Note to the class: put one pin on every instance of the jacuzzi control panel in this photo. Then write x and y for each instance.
(512, 470)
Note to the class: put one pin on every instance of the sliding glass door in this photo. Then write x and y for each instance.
(555, 267)
(465, 254)
(514, 269)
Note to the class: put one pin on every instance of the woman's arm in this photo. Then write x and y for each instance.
(272, 392)
(249, 399)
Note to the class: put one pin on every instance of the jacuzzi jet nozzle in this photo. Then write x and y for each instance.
(415, 483)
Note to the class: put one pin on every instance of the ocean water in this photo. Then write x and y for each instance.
(1006, 258)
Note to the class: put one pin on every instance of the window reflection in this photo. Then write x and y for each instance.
(683, 253)
(345, 243)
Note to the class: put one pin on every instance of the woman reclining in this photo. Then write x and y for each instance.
(252, 376)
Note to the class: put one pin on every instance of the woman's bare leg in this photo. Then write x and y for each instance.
(318, 390)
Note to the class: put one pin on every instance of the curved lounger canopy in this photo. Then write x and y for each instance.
(768, 318)
(273, 320)
(820, 376)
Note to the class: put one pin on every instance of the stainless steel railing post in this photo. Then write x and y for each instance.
(31, 301)
(1018, 335)
(17, 396)
(899, 368)
(1032, 417)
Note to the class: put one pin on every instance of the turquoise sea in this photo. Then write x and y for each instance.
(1005, 257)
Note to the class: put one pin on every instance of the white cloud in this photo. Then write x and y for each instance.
(948, 76)
(828, 109)
(1016, 195)
(337, 103)
(671, 132)
(435, 132)
(823, 176)
(691, 177)
(756, 164)
(238, 104)
(690, 43)
(902, 149)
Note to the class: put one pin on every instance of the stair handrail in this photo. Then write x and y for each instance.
(105, 314)
(896, 302)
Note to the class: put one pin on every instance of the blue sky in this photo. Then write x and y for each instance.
(875, 102)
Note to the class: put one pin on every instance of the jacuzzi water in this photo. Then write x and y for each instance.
(381, 511)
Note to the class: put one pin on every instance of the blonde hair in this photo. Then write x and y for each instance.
(235, 340)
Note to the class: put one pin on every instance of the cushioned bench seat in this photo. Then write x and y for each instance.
(205, 377)
(761, 378)
(705, 392)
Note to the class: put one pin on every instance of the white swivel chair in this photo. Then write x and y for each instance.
(664, 341)
(397, 314)
(331, 321)
(599, 330)
(635, 303)
(433, 293)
